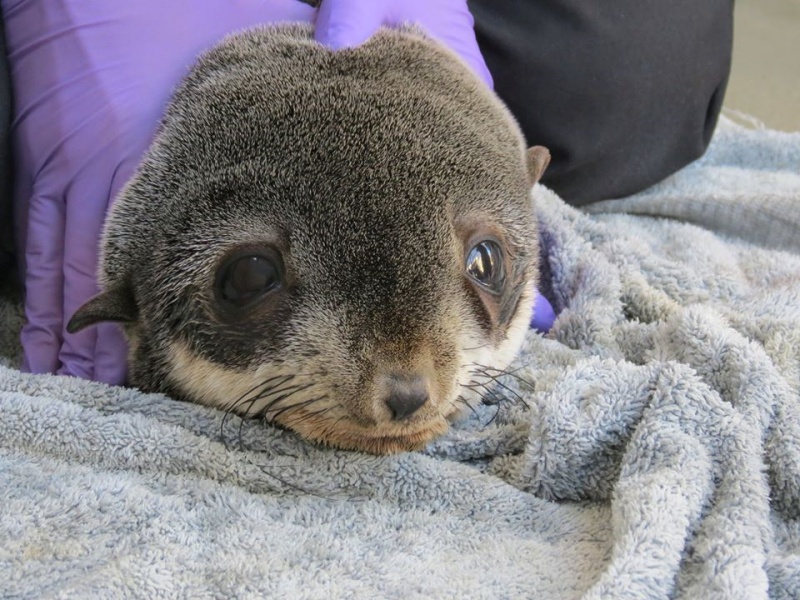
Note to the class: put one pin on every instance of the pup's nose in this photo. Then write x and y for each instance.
(406, 395)
(404, 404)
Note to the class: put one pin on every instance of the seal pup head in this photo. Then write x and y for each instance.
(340, 242)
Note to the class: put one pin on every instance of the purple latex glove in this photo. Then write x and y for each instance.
(346, 23)
(543, 314)
(91, 79)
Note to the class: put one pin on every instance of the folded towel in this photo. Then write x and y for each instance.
(647, 447)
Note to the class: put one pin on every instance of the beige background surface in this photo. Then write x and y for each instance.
(765, 78)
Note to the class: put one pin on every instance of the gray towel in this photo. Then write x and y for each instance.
(746, 187)
(648, 447)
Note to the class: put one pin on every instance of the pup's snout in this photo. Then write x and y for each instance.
(406, 395)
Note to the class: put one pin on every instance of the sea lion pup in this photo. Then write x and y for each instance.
(340, 242)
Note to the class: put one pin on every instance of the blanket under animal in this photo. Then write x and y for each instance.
(647, 447)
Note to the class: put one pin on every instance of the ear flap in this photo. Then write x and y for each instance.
(115, 304)
(538, 159)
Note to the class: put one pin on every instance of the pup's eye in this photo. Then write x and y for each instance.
(245, 278)
(485, 265)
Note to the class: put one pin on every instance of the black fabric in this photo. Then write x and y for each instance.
(622, 92)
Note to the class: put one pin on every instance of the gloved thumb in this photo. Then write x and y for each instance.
(347, 23)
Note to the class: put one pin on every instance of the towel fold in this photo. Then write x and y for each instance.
(647, 447)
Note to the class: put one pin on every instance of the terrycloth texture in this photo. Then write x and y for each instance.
(656, 453)
(722, 194)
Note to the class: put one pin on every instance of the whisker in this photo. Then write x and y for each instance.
(261, 396)
(477, 347)
(284, 394)
(494, 416)
(483, 425)
(243, 398)
(263, 390)
(469, 406)
(258, 386)
(508, 389)
(297, 405)
(474, 385)
(500, 372)
(455, 402)
(317, 413)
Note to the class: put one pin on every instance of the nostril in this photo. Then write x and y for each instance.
(403, 393)
(405, 403)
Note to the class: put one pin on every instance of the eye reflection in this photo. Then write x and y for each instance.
(485, 265)
(246, 278)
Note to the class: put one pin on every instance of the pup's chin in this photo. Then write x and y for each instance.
(375, 440)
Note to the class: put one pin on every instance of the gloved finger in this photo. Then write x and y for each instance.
(81, 245)
(111, 347)
(41, 333)
(226, 18)
(467, 48)
(87, 203)
(111, 354)
(347, 23)
(456, 30)
(543, 314)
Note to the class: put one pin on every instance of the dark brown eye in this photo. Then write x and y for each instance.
(243, 279)
(485, 265)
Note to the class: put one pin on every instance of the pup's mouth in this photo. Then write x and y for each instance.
(347, 435)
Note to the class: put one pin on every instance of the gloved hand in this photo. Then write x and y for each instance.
(91, 80)
(543, 315)
(345, 23)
